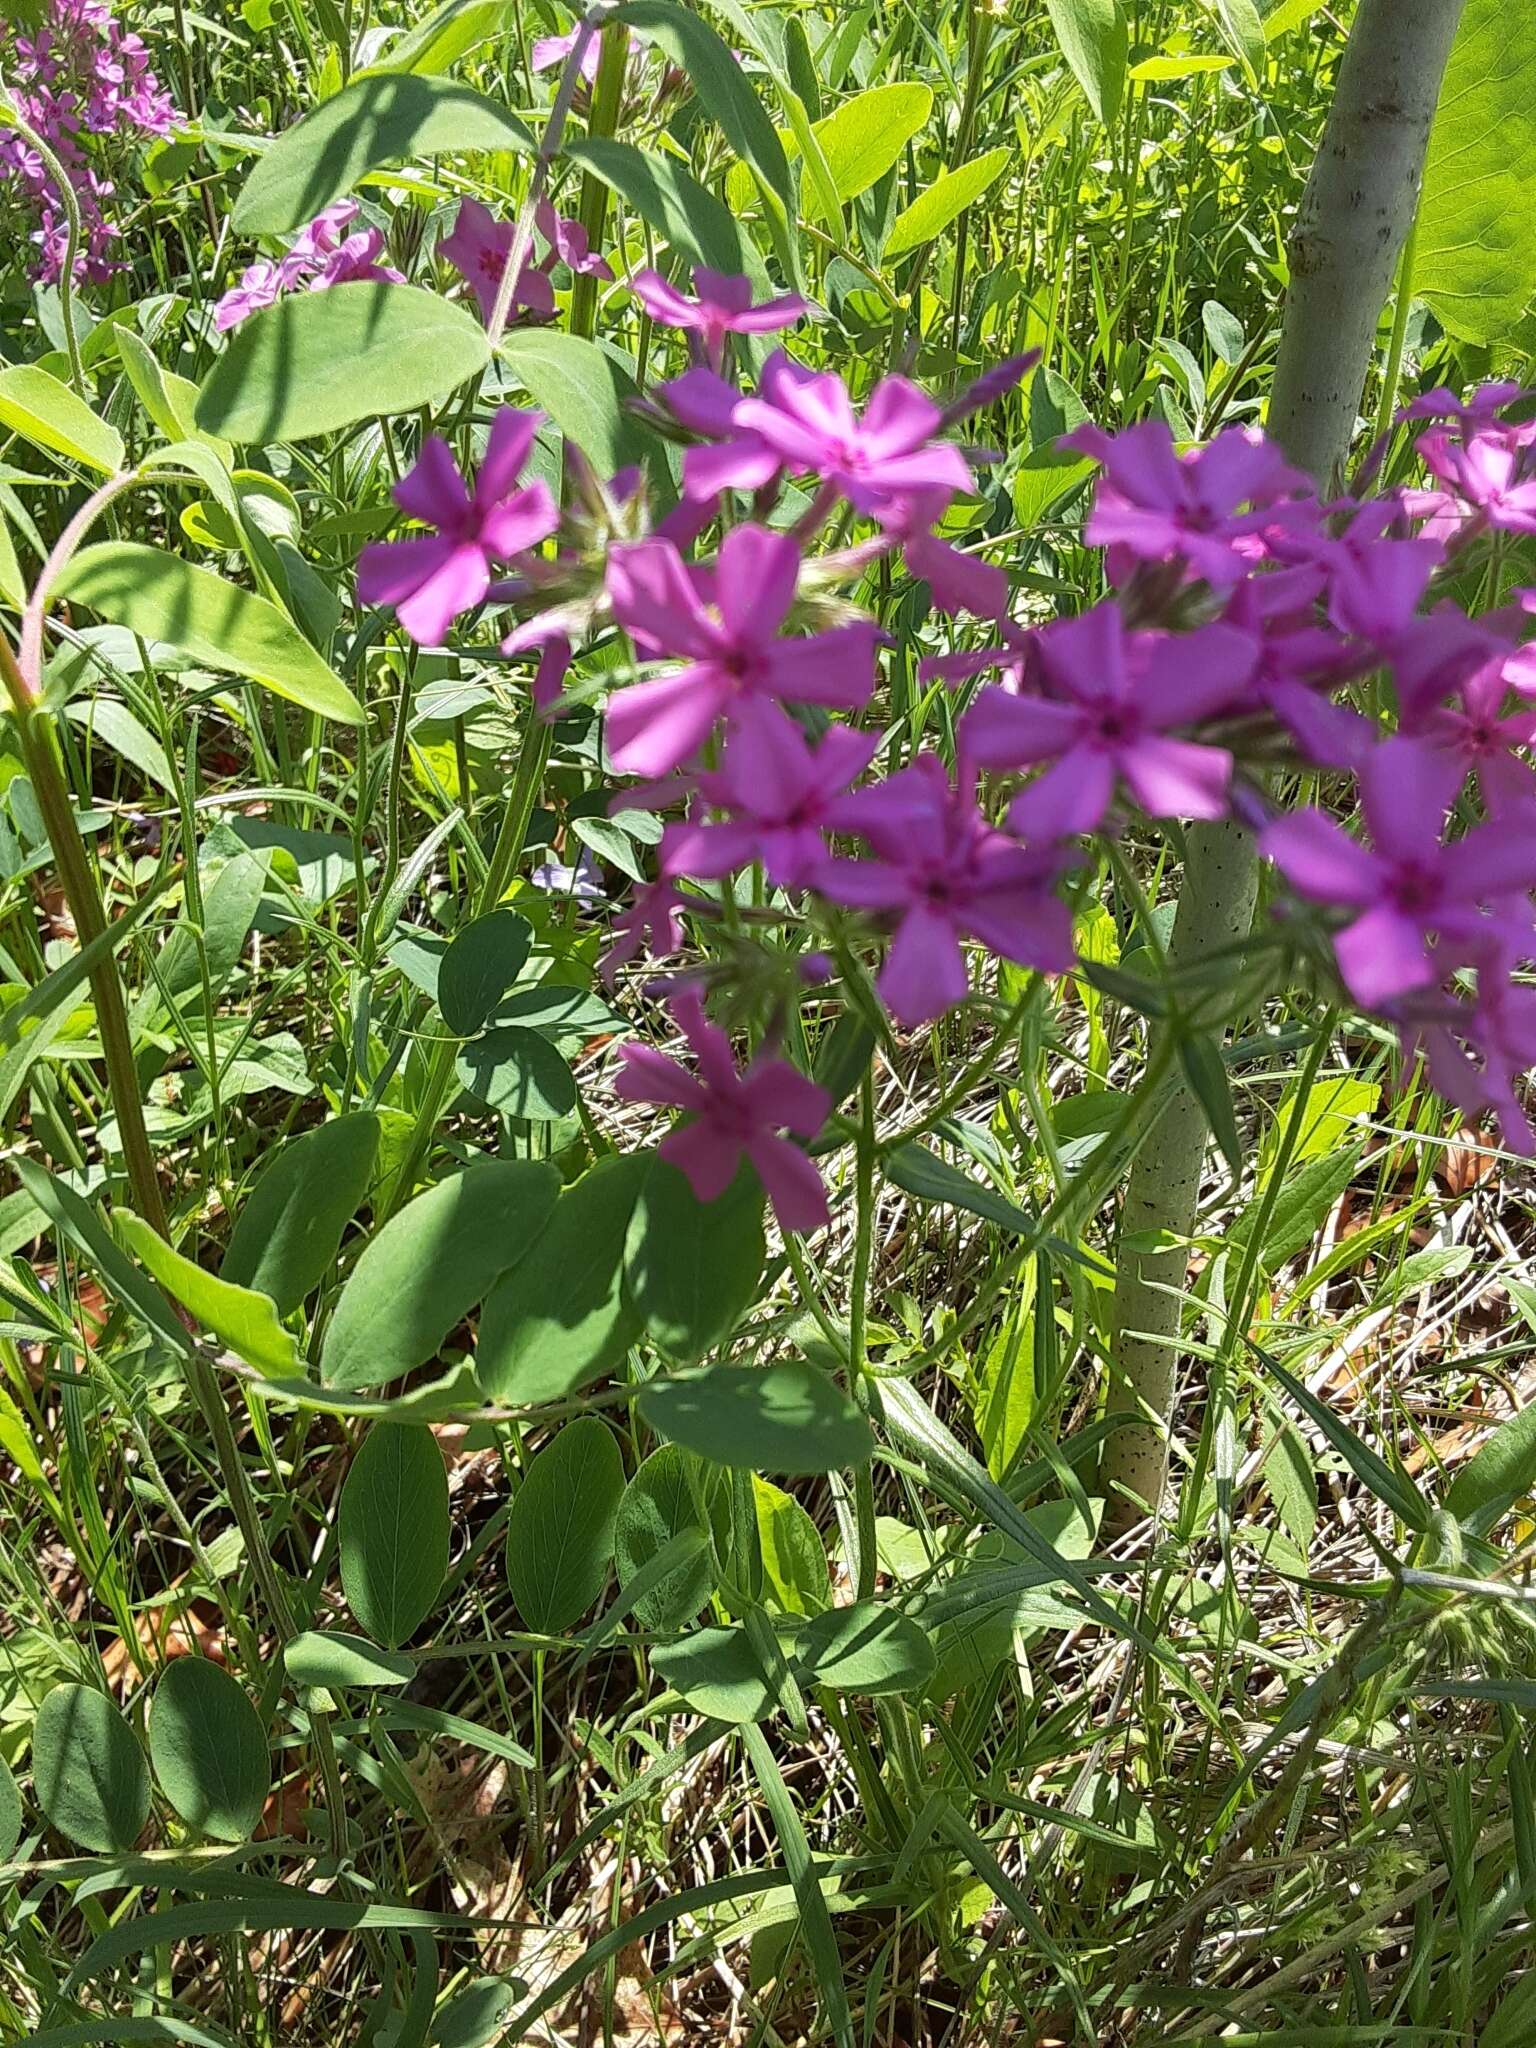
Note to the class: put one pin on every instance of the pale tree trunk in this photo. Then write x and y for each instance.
(1353, 220)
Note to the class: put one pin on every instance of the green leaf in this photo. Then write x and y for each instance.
(944, 201)
(163, 598)
(441, 38)
(1501, 1471)
(658, 1504)
(518, 1073)
(1241, 28)
(1093, 39)
(317, 361)
(794, 1559)
(49, 415)
(1206, 1072)
(720, 84)
(477, 2015)
(392, 1527)
(88, 1771)
(429, 1265)
(560, 1318)
(692, 1267)
(584, 390)
(381, 119)
(560, 1532)
(209, 1750)
(675, 204)
(810, 1900)
(1475, 253)
(864, 137)
(865, 1648)
(1223, 330)
(818, 172)
(244, 1321)
(10, 1812)
(338, 1661)
(1390, 1486)
(1330, 1110)
(778, 1418)
(289, 1228)
(482, 961)
(932, 1179)
(719, 1673)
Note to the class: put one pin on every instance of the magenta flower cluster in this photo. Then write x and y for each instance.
(82, 79)
(1241, 608)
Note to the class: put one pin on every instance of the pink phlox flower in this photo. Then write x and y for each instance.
(479, 248)
(549, 51)
(651, 923)
(1477, 1053)
(1118, 696)
(731, 646)
(1414, 895)
(804, 420)
(356, 261)
(733, 1113)
(780, 795)
(1485, 479)
(1299, 661)
(323, 236)
(957, 582)
(431, 579)
(1376, 580)
(262, 284)
(722, 305)
(1155, 505)
(943, 873)
(1481, 409)
(569, 241)
(1482, 734)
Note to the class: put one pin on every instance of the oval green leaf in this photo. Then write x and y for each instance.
(392, 1528)
(865, 136)
(209, 1750)
(483, 960)
(692, 1267)
(49, 415)
(88, 1770)
(658, 1504)
(288, 1230)
(163, 598)
(430, 1264)
(317, 361)
(559, 1320)
(719, 1673)
(333, 1658)
(944, 201)
(384, 119)
(1095, 42)
(777, 1418)
(583, 389)
(560, 1532)
(518, 1073)
(677, 206)
(866, 1649)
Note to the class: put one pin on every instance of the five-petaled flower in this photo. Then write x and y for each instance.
(431, 579)
(723, 306)
(732, 1113)
(733, 647)
(480, 248)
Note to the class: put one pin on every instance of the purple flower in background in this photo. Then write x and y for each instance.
(1299, 661)
(356, 261)
(479, 249)
(1119, 695)
(944, 874)
(781, 796)
(1486, 482)
(430, 580)
(1410, 889)
(732, 650)
(582, 883)
(324, 234)
(320, 257)
(1482, 734)
(1483, 407)
(723, 306)
(1476, 1054)
(569, 241)
(957, 582)
(261, 284)
(1155, 505)
(732, 1113)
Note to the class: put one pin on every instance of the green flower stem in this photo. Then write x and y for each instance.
(1354, 219)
